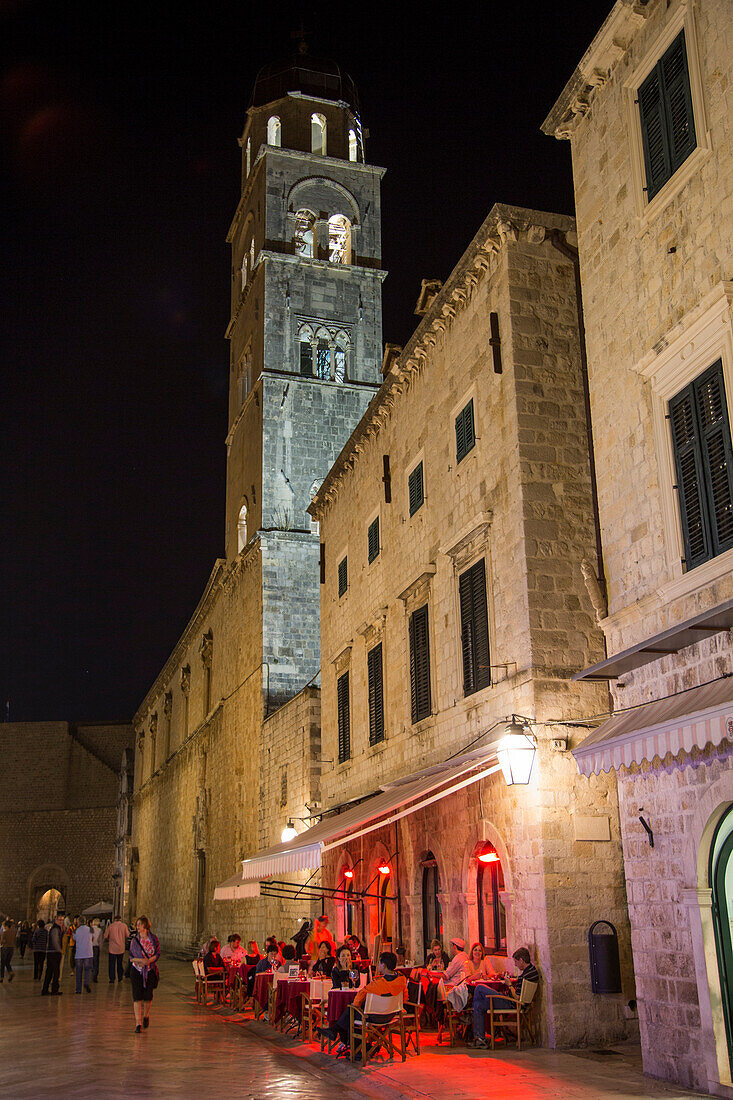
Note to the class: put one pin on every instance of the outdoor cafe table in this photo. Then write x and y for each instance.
(338, 999)
(287, 998)
(261, 990)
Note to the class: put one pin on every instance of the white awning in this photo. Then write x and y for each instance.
(304, 852)
(235, 888)
(695, 718)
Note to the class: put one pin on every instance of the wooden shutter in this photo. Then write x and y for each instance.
(343, 575)
(373, 540)
(678, 103)
(653, 133)
(688, 462)
(715, 445)
(465, 433)
(376, 695)
(322, 562)
(344, 718)
(415, 489)
(386, 479)
(474, 628)
(420, 664)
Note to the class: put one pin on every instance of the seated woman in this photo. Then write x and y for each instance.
(323, 965)
(478, 966)
(253, 955)
(344, 974)
(288, 957)
(212, 958)
(437, 958)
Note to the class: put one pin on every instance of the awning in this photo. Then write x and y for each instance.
(235, 888)
(304, 852)
(698, 717)
(713, 621)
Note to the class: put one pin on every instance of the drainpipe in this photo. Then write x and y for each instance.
(558, 241)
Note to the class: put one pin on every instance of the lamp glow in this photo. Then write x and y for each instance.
(489, 857)
(384, 869)
(288, 833)
(516, 753)
(348, 874)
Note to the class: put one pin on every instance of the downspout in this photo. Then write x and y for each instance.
(558, 241)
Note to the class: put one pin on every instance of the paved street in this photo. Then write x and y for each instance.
(85, 1046)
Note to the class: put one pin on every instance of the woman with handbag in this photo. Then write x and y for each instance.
(144, 955)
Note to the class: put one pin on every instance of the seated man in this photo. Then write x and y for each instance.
(270, 961)
(483, 995)
(386, 984)
(457, 970)
(288, 956)
(233, 953)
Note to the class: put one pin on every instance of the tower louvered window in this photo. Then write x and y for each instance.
(667, 123)
(343, 575)
(704, 464)
(373, 540)
(474, 628)
(420, 664)
(344, 718)
(416, 489)
(465, 432)
(376, 695)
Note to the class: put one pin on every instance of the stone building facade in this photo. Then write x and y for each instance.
(482, 550)
(648, 115)
(58, 815)
(228, 732)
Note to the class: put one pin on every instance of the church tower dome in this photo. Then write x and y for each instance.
(310, 76)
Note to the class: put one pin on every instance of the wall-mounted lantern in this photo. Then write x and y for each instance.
(289, 832)
(516, 752)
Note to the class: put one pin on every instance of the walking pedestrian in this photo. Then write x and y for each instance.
(39, 943)
(23, 936)
(96, 946)
(144, 955)
(53, 958)
(84, 956)
(116, 936)
(7, 946)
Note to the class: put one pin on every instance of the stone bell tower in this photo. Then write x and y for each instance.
(305, 336)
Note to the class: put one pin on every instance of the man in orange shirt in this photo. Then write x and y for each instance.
(386, 984)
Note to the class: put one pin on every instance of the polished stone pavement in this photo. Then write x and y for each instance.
(85, 1046)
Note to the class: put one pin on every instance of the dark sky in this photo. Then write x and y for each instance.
(119, 176)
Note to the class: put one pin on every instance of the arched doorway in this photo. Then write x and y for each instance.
(721, 882)
(432, 917)
(489, 890)
(49, 904)
(386, 916)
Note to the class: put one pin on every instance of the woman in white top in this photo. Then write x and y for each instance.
(478, 966)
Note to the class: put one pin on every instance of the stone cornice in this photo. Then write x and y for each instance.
(503, 226)
(609, 46)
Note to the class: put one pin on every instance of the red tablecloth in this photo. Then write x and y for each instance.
(287, 998)
(261, 989)
(338, 999)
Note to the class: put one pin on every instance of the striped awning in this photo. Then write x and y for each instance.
(695, 718)
(235, 887)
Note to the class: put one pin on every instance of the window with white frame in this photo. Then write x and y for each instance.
(304, 236)
(323, 351)
(242, 528)
(339, 239)
(248, 156)
(274, 131)
(318, 134)
(353, 145)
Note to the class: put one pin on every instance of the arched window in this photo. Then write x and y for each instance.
(242, 529)
(385, 911)
(245, 270)
(491, 913)
(353, 147)
(274, 131)
(432, 917)
(248, 156)
(339, 239)
(323, 355)
(244, 377)
(306, 352)
(252, 255)
(318, 134)
(305, 224)
(340, 357)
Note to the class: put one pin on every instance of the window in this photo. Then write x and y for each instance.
(248, 157)
(420, 664)
(323, 357)
(342, 694)
(376, 695)
(665, 111)
(465, 432)
(305, 221)
(491, 912)
(340, 357)
(373, 540)
(352, 145)
(343, 575)
(432, 917)
(274, 131)
(339, 239)
(318, 134)
(242, 529)
(416, 489)
(474, 628)
(306, 353)
(704, 465)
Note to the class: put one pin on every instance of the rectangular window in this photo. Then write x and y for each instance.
(373, 540)
(704, 464)
(420, 664)
(665, 111)
(376, 695)
(344, 720)
(323, 360)
(465, 432)
(306, 359)
(343, 575)
(416, 489)
(474, 628)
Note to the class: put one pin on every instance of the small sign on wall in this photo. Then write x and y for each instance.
(592, 828)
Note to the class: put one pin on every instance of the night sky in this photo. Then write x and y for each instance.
(119, 178)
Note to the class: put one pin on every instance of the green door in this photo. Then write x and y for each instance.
(722, 911)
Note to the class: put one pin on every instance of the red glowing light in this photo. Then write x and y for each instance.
(384, 869)
(489, 857)
(348, 874)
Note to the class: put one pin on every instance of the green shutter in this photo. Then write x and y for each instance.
(667, 122)
(344, 718)
(688, 463)
(465, 432)
(420, 664)
(376, 695)
(373, 540)
(715, 445)
(343, 575)
(415, 489)
(474, 628)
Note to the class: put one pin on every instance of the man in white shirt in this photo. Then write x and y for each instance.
(84, 956)
(455, 971)
(96, 946)
(233, 953)
(117, 933)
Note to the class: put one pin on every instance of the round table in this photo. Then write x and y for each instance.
(261, 990)
(338, 999)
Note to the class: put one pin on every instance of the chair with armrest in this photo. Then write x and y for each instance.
(518, 1017)
(375, 1024)
(314, 1004)
(272, 997)
(213, 981)
(413, 1010)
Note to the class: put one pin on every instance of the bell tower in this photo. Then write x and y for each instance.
(305, 337)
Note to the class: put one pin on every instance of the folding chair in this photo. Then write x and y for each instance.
(413, 1010)
(271, 998)
(314, 1003)
(213, 981)
(518, 1017)
(376, 1033)
(197, 967)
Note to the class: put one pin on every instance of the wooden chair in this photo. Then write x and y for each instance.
(413, 1010)
(196, 964)
(213, 981)
(271, 998)
(517, 1017)
(314, 1003)
(377, 1034)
